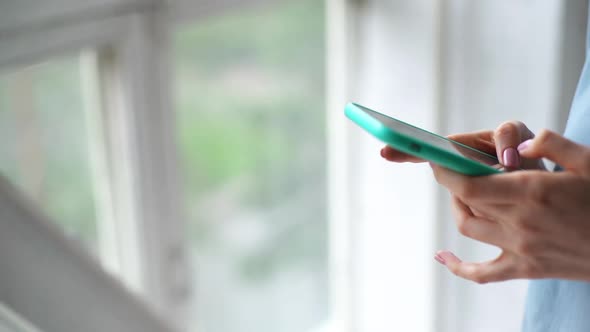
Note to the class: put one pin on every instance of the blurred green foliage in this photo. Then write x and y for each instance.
(279, 49)
(250, 112)
(249, 96)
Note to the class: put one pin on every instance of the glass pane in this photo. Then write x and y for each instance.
(43, 143)
(250, 110)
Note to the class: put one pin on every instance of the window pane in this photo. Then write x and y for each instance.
(250, 110)
(43, 143)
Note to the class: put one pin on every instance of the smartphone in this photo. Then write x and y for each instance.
(423, 144)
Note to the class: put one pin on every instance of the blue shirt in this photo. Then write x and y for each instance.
(563, 305)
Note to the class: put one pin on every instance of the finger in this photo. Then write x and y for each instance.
(502, 230)
(494, 212)
(499, 269)
(477, 228)
(481, 141)
(394, 155)
(507, 137)
(499, 188)
(568, 154)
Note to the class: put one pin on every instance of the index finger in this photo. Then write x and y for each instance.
(481, 140)
(394, 155)
(507, 137)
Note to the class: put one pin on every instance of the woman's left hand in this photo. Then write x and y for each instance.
(540, 220)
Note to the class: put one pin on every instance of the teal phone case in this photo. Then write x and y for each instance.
(416, 147)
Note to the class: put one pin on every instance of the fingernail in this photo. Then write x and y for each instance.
(511, 158)
(383, 153)
(447, 256)
(440, 259)
(524, 145)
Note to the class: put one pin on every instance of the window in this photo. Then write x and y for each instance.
(251, 130)
(43, 143)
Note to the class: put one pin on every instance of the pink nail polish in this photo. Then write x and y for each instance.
(524, 145)
(440, 259)
(511, 158)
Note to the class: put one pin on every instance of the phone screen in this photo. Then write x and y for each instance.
(432, 139)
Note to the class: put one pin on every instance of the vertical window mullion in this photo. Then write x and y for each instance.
(113, 174)
(147, 123)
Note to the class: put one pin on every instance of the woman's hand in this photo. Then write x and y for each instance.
(540, 220)
(501, 142)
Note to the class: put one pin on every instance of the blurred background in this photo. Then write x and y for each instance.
(197, 154)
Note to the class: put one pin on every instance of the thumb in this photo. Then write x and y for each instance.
(507, 137)
(569, 155)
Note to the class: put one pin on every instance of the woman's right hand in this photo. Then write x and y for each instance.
(502, 142)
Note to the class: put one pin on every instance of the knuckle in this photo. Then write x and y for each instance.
(525, 229)
(456, 270)
(480, 278)
(463, 226)
(472, 273)
(507, 129)
(530, 269)
(523, 131)
(544, 136)
(538, 193)
(523, 180)
(526, 243)
(524, 246)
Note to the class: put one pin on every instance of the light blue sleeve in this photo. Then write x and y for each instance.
(563, 305)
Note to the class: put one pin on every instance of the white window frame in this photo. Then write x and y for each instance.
(187, 11)
(142, 225)
(134, 144)
(127, 85)
(341, 36)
